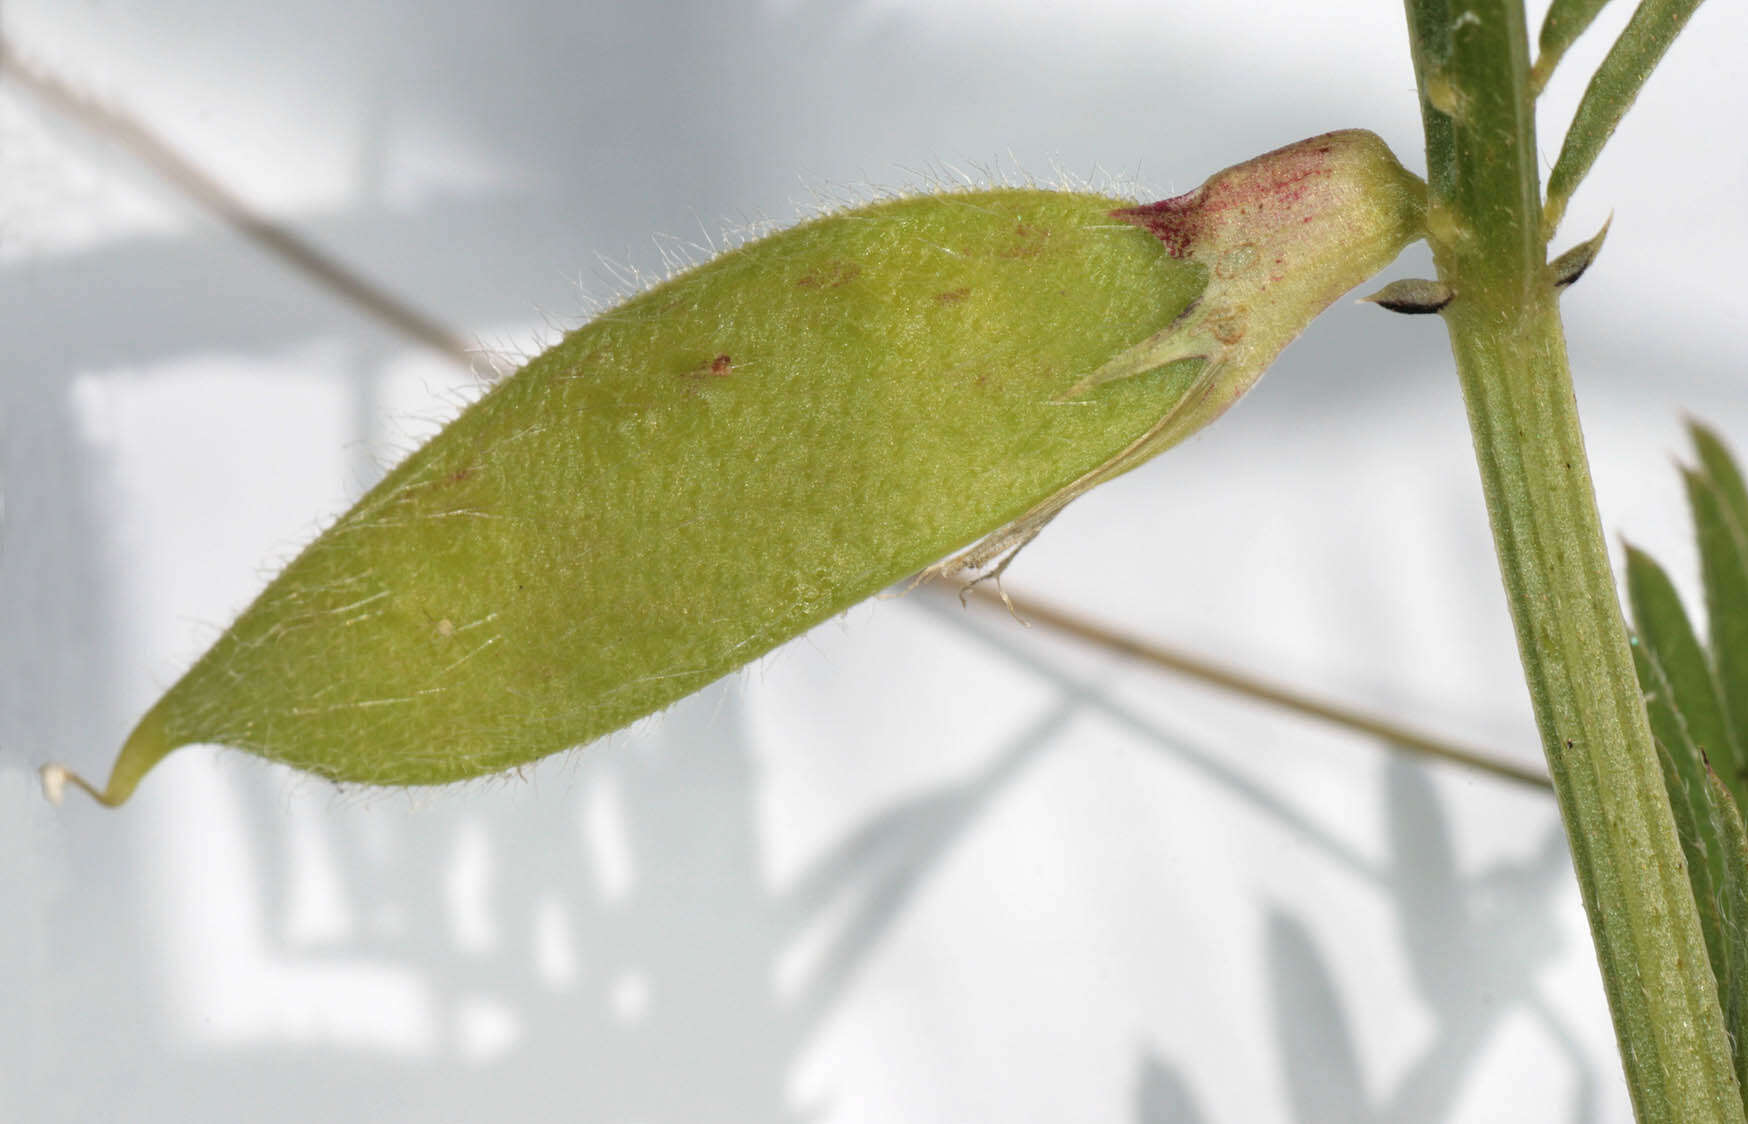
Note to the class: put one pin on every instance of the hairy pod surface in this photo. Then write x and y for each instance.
(729, 458)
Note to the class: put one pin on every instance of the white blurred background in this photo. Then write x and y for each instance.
(923, 864)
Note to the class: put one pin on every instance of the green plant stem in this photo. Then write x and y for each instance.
(1471, 58)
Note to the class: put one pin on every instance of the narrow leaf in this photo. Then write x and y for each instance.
(1717, 463)
(1689, 704)
(1565, 22)
(1726, 584)
(1699, 843)
(1684, 678)
(1733, 906)
(1611, 93)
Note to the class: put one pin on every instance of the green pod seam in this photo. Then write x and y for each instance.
(751, 446)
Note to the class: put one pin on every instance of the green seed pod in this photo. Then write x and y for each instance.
(756, 444)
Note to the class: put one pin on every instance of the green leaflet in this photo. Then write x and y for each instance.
(1694, 823)
(1717, 464)
(1684, 710)
(1694, 701)
(1565, 22)
(1684, 685)
(1612, 90)
(1733, 895)
(730, 458)
(1725, 573)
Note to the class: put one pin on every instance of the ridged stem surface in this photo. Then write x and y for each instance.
(1471, 58)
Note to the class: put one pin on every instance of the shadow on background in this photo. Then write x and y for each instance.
(1475, 945)
(671, 1012)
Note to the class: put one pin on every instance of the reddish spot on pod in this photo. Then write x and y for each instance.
(1029, 242)
(1176, 221)
(718, 368)
(1279, 178)
(831, 275)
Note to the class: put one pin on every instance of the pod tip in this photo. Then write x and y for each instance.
(145, 747)
(56, 778)
(54, 783)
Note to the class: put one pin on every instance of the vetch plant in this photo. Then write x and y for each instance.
(750, 447)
